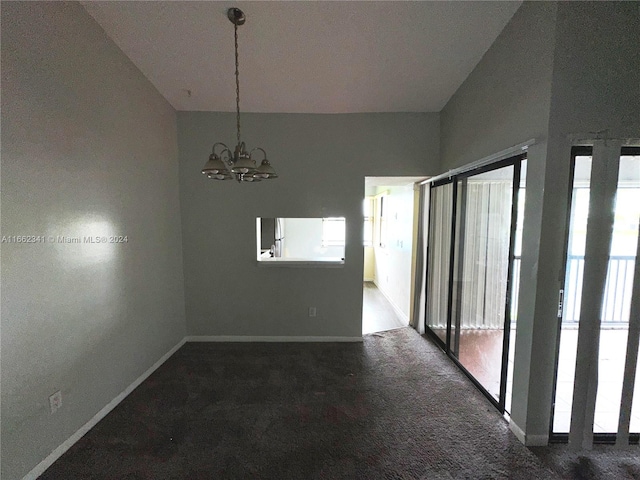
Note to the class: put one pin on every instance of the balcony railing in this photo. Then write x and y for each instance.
(617, 293)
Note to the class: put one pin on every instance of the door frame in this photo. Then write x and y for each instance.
(601, 438)
(516, 162)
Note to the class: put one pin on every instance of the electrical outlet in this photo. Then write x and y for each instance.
(55, 401)
(313, 311)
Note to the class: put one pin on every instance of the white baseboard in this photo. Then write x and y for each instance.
(398, 310)
(518, 432)
(69, 442)
(251, 338)
(528, 440)
(537, 440)
(372, 279)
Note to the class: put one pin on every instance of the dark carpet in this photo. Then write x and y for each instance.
(393, 407)
(604, 462)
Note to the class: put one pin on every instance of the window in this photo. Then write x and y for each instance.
(382, 223)
(333, 231)
(368, 208)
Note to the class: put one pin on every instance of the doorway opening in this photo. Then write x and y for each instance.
(389, 252)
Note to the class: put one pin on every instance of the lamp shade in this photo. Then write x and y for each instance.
(220, 176)
(214, 166)
(265, 170)
(250, 178)
(244, 164)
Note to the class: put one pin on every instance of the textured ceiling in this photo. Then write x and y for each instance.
(306, 57)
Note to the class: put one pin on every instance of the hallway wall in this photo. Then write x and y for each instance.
(393, 261)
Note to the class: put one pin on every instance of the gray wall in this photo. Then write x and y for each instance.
(506, 98)
(596, 71)
(322, 161)
(88, 148)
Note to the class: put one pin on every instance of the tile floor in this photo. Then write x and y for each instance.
(613, 344)
(377, 313)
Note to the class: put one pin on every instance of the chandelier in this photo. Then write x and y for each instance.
(238, 165)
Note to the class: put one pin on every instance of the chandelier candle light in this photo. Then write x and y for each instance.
(238, 165)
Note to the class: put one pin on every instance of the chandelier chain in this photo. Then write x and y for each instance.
(235, 31)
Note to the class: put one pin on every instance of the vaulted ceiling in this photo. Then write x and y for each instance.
(306, 57)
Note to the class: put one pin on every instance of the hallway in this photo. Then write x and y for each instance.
(377, 313)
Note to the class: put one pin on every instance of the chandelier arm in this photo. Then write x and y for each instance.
(229, 160)
(258, 148)
(235, 34)
(213, 149)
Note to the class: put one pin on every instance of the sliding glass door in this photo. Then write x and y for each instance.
(438, 267)
(470, 270)
(614, 324)
(572, 293)
(482, 257)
